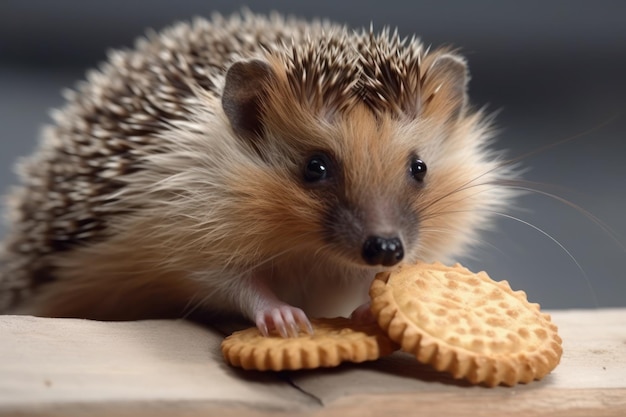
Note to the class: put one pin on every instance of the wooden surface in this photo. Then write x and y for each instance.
(65, 367)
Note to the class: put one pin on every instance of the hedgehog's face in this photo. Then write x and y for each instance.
(369, 183)
(366, 187)
(368, 217)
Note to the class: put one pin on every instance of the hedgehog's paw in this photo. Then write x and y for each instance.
(285, 319)
(363, 314)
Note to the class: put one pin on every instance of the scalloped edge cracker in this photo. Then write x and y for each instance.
(334, 341)
(466, 324)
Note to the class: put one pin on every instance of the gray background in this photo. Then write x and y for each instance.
(554, 69)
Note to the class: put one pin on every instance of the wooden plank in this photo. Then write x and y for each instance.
(591, 376)
(62, 367)
(65, 361)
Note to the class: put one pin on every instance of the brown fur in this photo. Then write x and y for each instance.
(172, 201)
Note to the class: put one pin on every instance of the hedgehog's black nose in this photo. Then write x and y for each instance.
(382, 251)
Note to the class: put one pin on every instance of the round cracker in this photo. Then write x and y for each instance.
(466, 324)
(334, 341)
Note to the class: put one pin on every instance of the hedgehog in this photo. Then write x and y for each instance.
(264, 167)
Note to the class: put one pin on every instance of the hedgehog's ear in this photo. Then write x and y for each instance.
(243, 93)
(451, 74)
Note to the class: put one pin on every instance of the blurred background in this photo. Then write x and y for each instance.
(554, 70)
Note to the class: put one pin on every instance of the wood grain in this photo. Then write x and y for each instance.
(64, 367)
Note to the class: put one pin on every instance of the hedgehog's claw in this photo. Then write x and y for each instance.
(288, 321)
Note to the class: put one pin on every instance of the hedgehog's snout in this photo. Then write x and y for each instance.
(378, 250)
(376, 234)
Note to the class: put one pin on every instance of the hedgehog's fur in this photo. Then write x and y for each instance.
(140, 186)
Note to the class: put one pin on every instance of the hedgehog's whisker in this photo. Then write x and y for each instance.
(565, 140)
(524, 185)
(467, 185)
(547, 235)
(188, 309)
(561, 246)
(510, 164)
(602, 225)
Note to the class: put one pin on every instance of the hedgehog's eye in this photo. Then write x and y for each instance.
(317, 168)
(417, 169)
